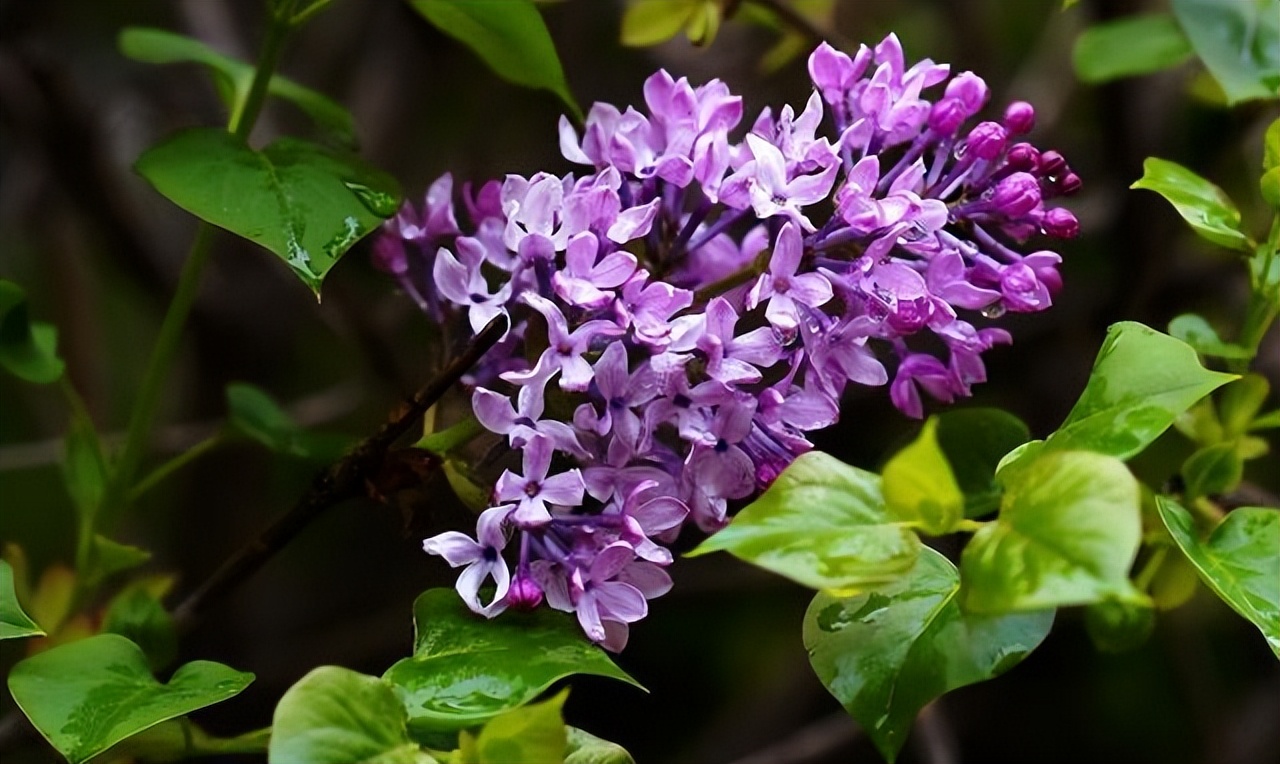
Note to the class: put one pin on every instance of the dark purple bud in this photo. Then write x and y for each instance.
(1016, 195)
(524, 594)
(1069, 184)
(1023, 157)
(1052, 164)
(1019, 117)
(947, 116)
(1060, 223)
(987, 140)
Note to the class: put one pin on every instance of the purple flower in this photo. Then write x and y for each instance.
(586, 283)
(566, 347)
(762, 184)
(483, 559)
(533, 491)
(461, 282)
(783, 287)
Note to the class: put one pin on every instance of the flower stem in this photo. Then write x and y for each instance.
(159, 474)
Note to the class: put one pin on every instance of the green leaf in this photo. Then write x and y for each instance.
(1196, 332)
(823, 524)
(1269, 186)
(886, 653)
(137, 615)
(974, 441)
(509, 35)
(1130, 46)
(179, 739)
(84, 469)
(467, 669)
(585, 748)
(1118, 627)
(1213, 470)
(649, 22)
(112, 557)
(1240, 561)
(257, 416)
(1141, 381)
(14, 622)
(1067, 534)
(1239, 42)
(534, 734)
(1240, 402)
(234, 77)
(1205, 207)
(705, 23)
(1267, 421)
(86, 696)
(28, 349)
(306, 203)
(919, 486)
(1271, 146)
(337, 716)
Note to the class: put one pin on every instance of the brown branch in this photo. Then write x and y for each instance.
(341, 481)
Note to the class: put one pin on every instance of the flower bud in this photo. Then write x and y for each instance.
(970, 90)
(1060, 223)
(947, 115)
(987, 140)
(1016, 195)
(524, 594)
(1069, 184)
(1052, 164)
(1023, 157)
(1019, 117)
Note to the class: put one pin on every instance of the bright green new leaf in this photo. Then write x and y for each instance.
(886, 653)
(86, 696)
(974, 441)
(649, 22)
(1118, 627)
(306, 203)
(1267, 421)
(823, 524)
(530, 735)
(14, 622)
(919, 486)
(234, 78)
(1067, 534)
(1239, 42)
(467, 669)
(1129, 46)
(1141, 381)
(337, 716)
(1240, 561)
(1269, 186)
(1196, 332)
(28, 349)
(1213, 470)
(107, 557)
(1205, 207)
(137, 615)
(509, 35)
(1271, 146)
(585, 748)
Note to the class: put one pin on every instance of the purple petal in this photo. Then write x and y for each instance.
(456, 548)
(621, 602)
(564, 490)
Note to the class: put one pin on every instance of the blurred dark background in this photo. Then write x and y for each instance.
(98, 252)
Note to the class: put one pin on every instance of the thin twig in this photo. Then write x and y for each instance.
(343, 480)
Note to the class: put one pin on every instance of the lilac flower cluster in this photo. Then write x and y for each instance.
(679, 321)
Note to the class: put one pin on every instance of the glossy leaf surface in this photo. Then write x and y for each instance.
(1067, 534)
(13, 621)
(86, 696)
(1239, 561)
(28, 349)
(1205, 207)
(886, 653)
(467, 669)
(1130, 46)
(509, 35)
(823, 524)
(336, 716)
(528, 735)
(306, 203)
(1239, 42)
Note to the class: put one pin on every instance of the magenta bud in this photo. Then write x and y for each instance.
(1052, 164)
(1019, 117)
(1016, 195)
(987, 140)
(1060, 223)
(970, 90)
(947, 115)
(1023, 157)
(524, 594)
(1069, 184)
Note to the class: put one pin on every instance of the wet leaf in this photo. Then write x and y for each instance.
(467, 669)
(1239, 561)
(886, 653)
(1205, 207)
(530, 735)
(823, 524)
(86, 696)
(304, 202)
(1129, 46)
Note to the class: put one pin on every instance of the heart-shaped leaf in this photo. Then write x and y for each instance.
(1240, 561)
(13, 621)
(1238, 41)
(86, 696)
(919, 486)
(886, 653)
(1067, 534)
(1141, 381)
(306, 203)
(509, 35)
(28, 349)
(467, 669)
(336, 716)
(1205, 207)
(1130, 46)
(823, 524)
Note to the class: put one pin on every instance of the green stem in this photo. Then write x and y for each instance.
(1151, 568)
(246, 113)
(159, 474)
(970, 526)
(85, 527)
(1264, 305)
(452, 437)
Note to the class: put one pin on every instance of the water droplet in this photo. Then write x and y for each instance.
(380, 203)
(960, 150)
(994, 310)
(351, 232)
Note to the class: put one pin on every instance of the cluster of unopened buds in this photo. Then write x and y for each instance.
(682, 315)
